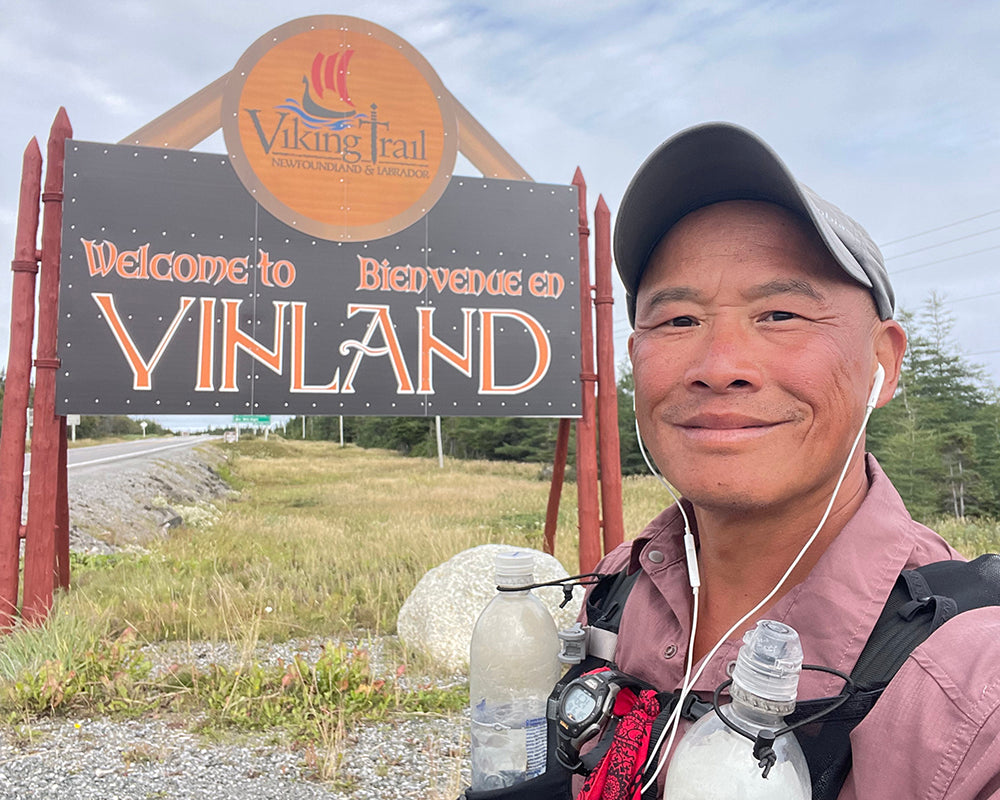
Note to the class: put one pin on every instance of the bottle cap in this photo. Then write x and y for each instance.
(515, 569)
(769, 662)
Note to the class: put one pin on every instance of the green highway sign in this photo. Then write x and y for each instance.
(252, 419)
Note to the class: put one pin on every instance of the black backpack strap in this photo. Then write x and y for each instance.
(605, 605)
(606, 601)
(921, 601)
(826, 743)
(553, 784)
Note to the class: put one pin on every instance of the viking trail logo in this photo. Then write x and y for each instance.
(312, 128)
(342, 133)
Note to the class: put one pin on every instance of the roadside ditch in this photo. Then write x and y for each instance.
(127, 505)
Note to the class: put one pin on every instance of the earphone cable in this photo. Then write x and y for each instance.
(673, 722)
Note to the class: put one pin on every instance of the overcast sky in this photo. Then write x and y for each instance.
(889, 110)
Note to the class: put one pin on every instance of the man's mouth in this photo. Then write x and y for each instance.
(725, 422)
(725, 428)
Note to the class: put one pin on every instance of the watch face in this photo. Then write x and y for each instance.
(578, 704)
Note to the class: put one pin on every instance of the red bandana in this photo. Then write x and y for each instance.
(619, 775)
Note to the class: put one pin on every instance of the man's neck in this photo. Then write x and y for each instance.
(742, 555)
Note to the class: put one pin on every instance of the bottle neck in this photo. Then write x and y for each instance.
(742, 694)
(512, 584)
(753, 718)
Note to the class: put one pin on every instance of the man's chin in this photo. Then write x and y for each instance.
(733, 496)
(734, 501)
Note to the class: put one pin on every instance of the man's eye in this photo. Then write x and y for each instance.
(682, 322)
(780, 316)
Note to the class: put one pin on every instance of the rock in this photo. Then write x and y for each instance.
(438, 617)
(82, 542)
(164, 516)
(174, 521)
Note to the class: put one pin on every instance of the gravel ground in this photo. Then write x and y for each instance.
(69, 759)
(147, 759)
(416, 756)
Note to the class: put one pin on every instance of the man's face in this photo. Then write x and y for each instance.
(753, 356)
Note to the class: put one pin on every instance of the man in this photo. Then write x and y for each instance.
(761, 315)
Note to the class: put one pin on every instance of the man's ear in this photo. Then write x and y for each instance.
(890, 345)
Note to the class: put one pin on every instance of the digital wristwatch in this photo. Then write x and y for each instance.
(584, 707)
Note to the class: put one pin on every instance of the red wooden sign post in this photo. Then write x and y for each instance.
(597, 445)
(586, 426)
(18, 382)
(607, 384)
(47, 532)
(46, 551)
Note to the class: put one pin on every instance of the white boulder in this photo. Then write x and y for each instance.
(438, 617)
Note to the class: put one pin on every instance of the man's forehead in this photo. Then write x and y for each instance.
(727, 220)
(735, 228)
(757, 291)
(791, 259)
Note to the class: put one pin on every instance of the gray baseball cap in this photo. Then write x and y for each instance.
(719, 161)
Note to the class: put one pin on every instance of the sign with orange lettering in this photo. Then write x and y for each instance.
(339, 128)
(182, 292)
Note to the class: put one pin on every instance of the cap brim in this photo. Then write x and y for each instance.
(712, 163)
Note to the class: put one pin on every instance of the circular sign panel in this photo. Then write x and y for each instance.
(339, 128)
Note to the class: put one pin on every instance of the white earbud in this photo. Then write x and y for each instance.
(876, 386)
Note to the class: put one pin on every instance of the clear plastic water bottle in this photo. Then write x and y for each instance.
(713, 762)
(513, 665)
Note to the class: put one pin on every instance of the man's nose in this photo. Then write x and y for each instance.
(726, 361)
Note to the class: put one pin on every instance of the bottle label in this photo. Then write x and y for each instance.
(506, 749)
(536, 736)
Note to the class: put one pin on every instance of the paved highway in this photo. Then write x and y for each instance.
(92, 459)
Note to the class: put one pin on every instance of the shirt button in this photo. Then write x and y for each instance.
(655, 556)
(671, 651)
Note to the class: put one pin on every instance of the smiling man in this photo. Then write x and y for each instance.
(763, 328)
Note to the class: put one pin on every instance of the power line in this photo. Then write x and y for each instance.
(940, 228)
(942, 244)
(971, 297)
(942, 260)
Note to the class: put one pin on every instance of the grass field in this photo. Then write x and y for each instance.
(321, 542)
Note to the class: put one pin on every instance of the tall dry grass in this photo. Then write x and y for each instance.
(971, 536)
(323, 540)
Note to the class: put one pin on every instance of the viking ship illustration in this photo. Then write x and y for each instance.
(329, 73)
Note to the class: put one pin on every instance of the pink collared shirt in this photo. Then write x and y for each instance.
(935, 733)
